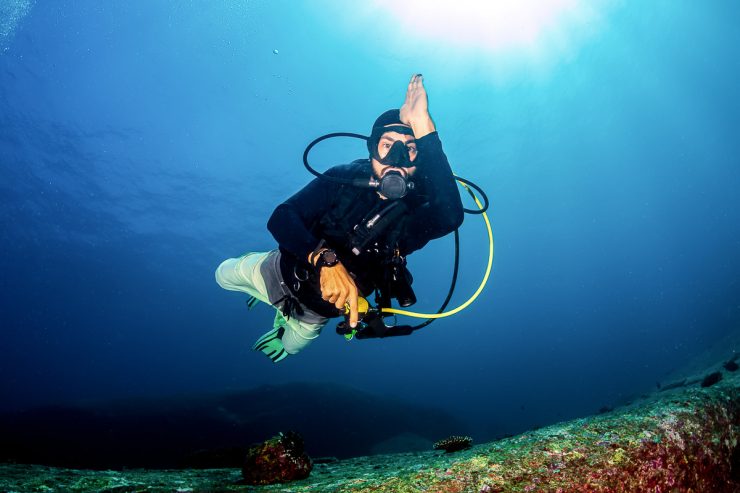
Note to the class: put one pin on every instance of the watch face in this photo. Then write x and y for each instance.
(329, 257)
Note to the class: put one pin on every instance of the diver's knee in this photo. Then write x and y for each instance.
(224, 274)
(296, 338)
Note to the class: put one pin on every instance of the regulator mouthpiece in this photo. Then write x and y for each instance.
(393, 185)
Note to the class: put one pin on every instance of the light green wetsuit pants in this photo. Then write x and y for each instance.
(258, 274)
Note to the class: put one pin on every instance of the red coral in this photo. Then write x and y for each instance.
(277, 460)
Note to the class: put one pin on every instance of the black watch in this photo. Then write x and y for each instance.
(327, 258)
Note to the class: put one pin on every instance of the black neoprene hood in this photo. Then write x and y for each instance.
(389, 121)
(388, 118)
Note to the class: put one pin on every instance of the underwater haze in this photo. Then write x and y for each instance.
(144, 142)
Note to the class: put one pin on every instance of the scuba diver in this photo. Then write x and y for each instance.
(346, 234)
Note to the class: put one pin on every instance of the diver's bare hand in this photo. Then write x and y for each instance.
(415, 110)
(338, 288)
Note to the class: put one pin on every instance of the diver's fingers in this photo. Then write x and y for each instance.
(333, 295)
(337, 285)
(342, 298)
(416, 81)
(420, 84)
(329, 290)
(353, 315)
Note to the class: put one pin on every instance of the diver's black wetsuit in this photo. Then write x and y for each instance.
(328, 211)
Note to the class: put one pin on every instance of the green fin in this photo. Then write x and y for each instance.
(271, 345)
(279, 320)
(251, 302)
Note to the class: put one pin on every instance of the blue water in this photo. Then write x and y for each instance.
(141, 143)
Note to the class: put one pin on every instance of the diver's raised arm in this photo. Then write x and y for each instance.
(415, 109)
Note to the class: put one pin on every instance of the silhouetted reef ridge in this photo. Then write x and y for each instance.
(685, 439)
(214, 430)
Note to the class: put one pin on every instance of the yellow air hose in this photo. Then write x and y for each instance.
(482, 284)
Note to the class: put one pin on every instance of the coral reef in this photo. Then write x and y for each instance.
(683, 440)
(277, 460)
(454, 444)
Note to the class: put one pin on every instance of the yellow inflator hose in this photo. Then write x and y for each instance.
(480, 287)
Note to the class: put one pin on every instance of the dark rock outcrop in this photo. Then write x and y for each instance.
(213, 431)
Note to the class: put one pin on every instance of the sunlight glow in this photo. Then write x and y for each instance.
(498, 39)
(493, 25)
